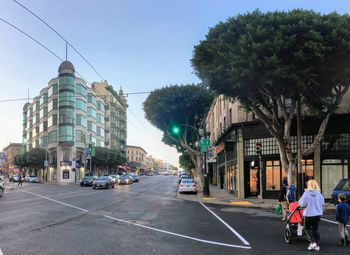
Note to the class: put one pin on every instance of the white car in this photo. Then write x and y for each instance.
(188, 185)
(33, 179)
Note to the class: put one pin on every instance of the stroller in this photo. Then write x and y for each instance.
(294, 223)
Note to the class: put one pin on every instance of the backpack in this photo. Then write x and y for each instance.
(291, 193)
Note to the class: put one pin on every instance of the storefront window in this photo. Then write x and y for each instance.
(273, 175)
(332, 171)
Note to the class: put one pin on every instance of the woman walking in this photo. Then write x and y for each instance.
(312, 200)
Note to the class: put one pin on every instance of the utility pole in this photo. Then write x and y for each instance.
(259, 151)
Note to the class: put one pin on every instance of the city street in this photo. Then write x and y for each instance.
(144, 218)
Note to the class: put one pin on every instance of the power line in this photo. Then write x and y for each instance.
(54, 30)
(41, 44)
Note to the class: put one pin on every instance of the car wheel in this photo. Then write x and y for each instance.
(81, 185)
(113, 186)
(1, 192)
(180, 192)
(93, 187)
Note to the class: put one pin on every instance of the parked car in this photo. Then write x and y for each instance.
(125, 179)
(134, 177)
(2, 187)
(87, 181)
(188, 185)
(114, 177)
(343, 186)
(105, 182)
(183, 176)
(33, 179)
(14, 178)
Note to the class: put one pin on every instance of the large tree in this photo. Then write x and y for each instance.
(264, 60)
(185, 107)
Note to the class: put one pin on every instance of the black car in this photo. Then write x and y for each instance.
(105, 182)
(87, 181)
(124, 179)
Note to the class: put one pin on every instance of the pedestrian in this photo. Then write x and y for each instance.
(20, 180)
(342, 216)
(291, 193)
(312, 200)
(282, 199)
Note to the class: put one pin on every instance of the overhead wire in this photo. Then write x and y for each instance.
(61, 36)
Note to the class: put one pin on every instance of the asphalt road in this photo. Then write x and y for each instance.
(144, 218)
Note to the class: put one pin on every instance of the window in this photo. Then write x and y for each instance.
(81, 120)
(67, 98)
(91, 112)
(92, 99)
(43, 99)
(43, 141)
(333, 170)
(43, 112)
(100, 131)
(52, 137)
(66, 134)
(273, 175)
(52, 105)
(53, 90)
(100, 106)
(81, 90)
(100, 143)
(67, 116)
(36, 118)
(337, 142)
(43, 126)
(52, 120)
(81, 105)
(100, 118)
(67, 82)
(80, 136)
(91, 126)
(93, 140)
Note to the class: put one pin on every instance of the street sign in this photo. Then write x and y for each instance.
(204, 145)
(46, 163)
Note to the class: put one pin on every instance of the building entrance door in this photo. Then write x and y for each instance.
(254, 182)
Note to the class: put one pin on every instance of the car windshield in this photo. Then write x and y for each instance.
(343, 185)
(103, 178)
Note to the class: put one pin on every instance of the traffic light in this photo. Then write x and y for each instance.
(175, 130)
(258, 148)
(90, 149)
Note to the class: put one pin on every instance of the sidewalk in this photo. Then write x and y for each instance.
(220, 196)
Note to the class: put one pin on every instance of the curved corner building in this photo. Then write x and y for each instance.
(64, 119)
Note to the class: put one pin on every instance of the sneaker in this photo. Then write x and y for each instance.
(317, 248)
(312, 246)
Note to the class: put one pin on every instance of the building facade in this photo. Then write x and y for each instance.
(8, 156)
(136, 154)
(236, 162)
(115, 116)
(64, 119)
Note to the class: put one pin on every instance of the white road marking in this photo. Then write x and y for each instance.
(179, 235)
(156, 229)
(54, 200)
(1, 252)
(227, 225)
(331, 221)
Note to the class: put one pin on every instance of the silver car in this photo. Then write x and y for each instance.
(2, 186)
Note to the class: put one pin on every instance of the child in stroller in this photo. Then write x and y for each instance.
(294, 223)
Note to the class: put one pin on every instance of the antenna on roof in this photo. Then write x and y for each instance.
(66, 50)
(28, 95)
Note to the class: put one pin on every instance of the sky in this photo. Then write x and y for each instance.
(139, 45)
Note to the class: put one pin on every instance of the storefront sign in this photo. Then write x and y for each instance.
(65, 163)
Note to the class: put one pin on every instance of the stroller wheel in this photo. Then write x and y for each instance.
(288, 235)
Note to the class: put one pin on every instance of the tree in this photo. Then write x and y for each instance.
(185, 161)
(183, 106)
(20, 160)
(107, 158)
(265, 60)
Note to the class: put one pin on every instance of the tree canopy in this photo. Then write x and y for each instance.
(269, 61)
(184, 106)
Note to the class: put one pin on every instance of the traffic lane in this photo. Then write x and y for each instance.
(93, 235)
(265, 231)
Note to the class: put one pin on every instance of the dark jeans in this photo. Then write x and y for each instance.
(311, 228)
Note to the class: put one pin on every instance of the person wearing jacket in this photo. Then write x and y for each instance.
(312, 200)
(342, 216)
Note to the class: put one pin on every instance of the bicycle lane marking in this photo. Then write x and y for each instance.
(227, 225)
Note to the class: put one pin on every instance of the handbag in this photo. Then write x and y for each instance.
(278, 209)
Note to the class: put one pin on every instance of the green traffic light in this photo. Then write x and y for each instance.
(176, 130)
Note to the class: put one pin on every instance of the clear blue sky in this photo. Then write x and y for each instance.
(139, 45)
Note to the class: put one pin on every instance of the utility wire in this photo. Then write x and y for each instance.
(42, 45)
(54, 30)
